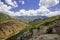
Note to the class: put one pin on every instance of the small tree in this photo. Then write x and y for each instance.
(49, 30)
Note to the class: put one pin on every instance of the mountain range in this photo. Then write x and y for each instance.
(31, 18)
(11, 27)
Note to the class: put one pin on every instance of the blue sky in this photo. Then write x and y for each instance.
(28, 4)
(30, 7)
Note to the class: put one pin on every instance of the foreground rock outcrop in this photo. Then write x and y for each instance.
(46, 37)
(39, 34)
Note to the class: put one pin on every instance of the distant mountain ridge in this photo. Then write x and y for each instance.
(31, 18)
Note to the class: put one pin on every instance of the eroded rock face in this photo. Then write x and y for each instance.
(46, 37)
(39, 34)
(35, 36)
(10, 27)
(24, 36)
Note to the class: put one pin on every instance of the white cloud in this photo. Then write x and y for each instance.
(43, 9)
(3, 7)
(6, 9)
(45, 4)
(32, 12)
(53, 13)
(22, 2)
(14, 4)
(48, 3)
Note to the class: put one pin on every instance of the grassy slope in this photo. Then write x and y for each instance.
(10, 26)
(43, 22)
(35, 25)
(4, 17)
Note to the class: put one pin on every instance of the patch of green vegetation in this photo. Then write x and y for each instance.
(45, 21)
(49, 30)
(4, 17)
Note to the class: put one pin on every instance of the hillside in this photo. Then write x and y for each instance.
(4, 17)
(51, 23)
(10, 26)
(40, 28)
